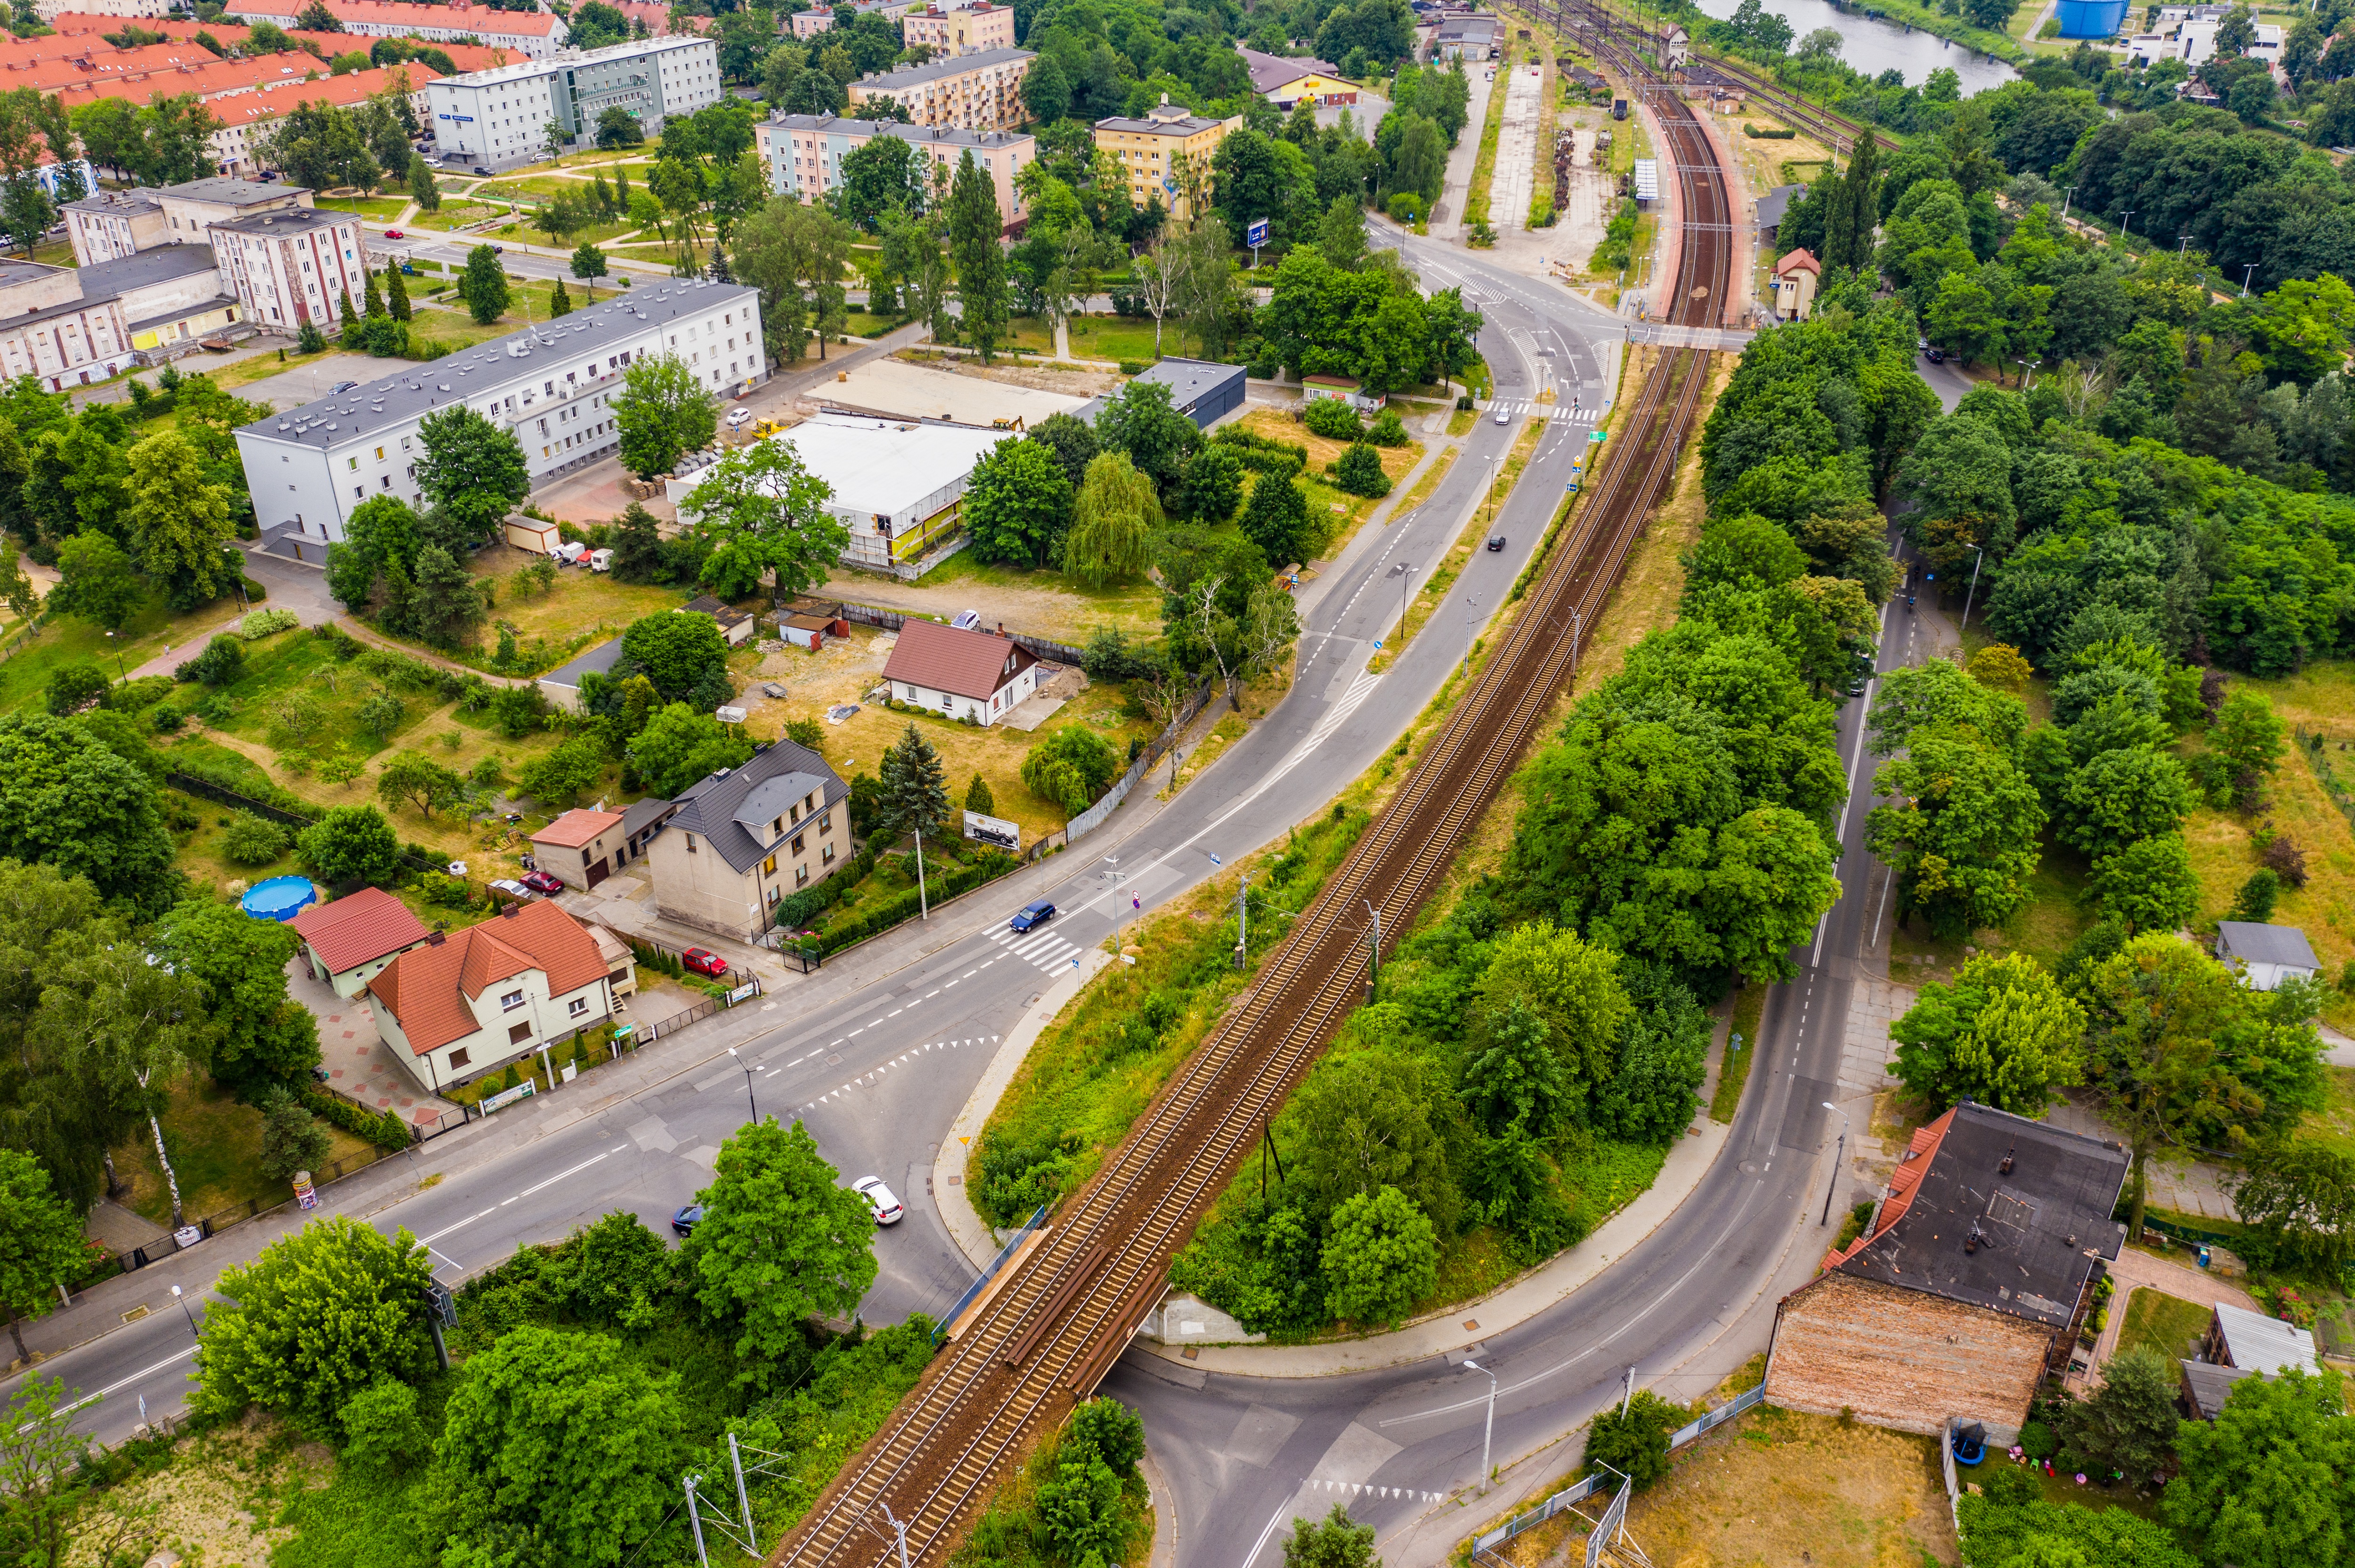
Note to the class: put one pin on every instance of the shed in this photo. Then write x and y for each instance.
(804, 631)
(531, 534)
(640, 820)
(1346, 388)
(2267, 954)
(2240, 1338)
(735, 625)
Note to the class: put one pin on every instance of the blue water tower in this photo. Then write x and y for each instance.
(2090, 18)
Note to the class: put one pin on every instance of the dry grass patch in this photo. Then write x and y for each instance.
(216, 1147)
(218, 1499)
(1340, 512)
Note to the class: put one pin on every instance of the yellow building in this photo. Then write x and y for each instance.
(1167, 154)
(1283, 81)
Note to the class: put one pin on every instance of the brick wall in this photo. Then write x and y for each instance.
(1902, 1358)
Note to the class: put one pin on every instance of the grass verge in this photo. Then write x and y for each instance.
(1438, 579)
(1749, 1007)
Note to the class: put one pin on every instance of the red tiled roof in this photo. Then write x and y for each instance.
(351, 88)
(427, 988)
(1904, 1182)
(1798, 261)
(459, 17)
(577, 827)
(359, 929)
(964, 663)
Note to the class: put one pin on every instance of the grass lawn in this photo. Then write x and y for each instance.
(2167, 1324)
(864, 323)
(1335, 510)
(581, 609)
(1068, 609)
(456, 215)
(1093, 337)
(1749, 1006)
(215, 1148)
(2334, 1124)
(69, 640)
(376, 209)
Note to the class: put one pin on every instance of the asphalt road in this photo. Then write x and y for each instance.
(879, 1077)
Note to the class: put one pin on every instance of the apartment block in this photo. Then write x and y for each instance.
(803, 154)
(961, 29)
(248, 118)
(1164, 152)
(971, 92)
(531, 33)
(499, 118)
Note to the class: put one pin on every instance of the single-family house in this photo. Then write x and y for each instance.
(1795, 277)
(561, 685)
(347, 943)
(2267, 954)
(580, 847)
(1969, 1288)
(744, 838)
(472, 1000)
(976, 676)
(1285, 81)
(736, 625)
(1342, 388)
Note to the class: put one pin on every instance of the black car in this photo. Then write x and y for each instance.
(341, 386)
(686, 1219)
(1496, 542)
(1934, 354)
(481, 171)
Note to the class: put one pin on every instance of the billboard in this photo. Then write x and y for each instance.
(1256, 235)
(995, 830)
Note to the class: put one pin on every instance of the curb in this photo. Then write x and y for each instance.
(972, 1234)
(1468, 1324)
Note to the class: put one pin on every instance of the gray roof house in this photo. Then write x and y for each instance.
(561, 685)
(743, 839)
(2267, 954)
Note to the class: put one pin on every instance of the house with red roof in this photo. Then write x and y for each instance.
(470, 1001)
(1795, 277)
(580, 847)
(977, 676)
(348, 943)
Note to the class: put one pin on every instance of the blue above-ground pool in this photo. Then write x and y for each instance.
(280, 898)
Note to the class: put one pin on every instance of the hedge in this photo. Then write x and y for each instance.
(382, 1128)
(262, 623)
(890, 912)
(1262, 455)
(795, 913)
(224, 777)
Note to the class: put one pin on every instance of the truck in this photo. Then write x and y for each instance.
(1618, 109)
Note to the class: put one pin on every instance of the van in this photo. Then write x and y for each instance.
(600, 560)
(1618, 109)
(569, 552)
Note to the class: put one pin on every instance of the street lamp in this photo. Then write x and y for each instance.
(750, 1103)
(2030, 366)
(118, 655)
(1405, 571)
(2246, 273)
(1977, 556)
(2125, 223)
(1488, 1432)
(191, 1316)
(1114, 861)
(2064, 206)
(1468, 602)
(1836, 1164)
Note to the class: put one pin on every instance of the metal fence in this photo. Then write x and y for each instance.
(168, 1243)
(1578, 1492)
(989, 1273)
(1087, 822)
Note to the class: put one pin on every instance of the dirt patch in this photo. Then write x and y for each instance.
(1071, 383)
(212, 1500)
(1037, 603)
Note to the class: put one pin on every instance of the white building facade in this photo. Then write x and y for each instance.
(499, 118)
(552, 386)
(293, 266)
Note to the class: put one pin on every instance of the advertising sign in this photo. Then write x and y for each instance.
(304, 1193)
(995, 830)
(1256, 235)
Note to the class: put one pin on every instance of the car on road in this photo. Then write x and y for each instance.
(482, 171)
(704, 962)
(513, 889)
(1495, 541)
(394, 234)
(342, 386)
(543, 882)
(498, 250)
(686, 1219)
(1503, 418)
(888, 1211)
(1031, 915)
(1934, 353)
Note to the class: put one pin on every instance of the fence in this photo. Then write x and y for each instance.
(1093, 816)
(988, 1274)
(168, 1243)
(1946, 1463)
(892, 620)
(1579, 1491)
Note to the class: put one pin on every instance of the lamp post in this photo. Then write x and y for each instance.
(1468, 603)
(2246, 273)
(2125, 223)
(1836, 1165)
(1114, 861)
(2028, 367)
(1406, 598)
(117, 656)
(2064, 206)
(1977, 556)
(191, 1316)
(750, 1104)
(1488, 1432)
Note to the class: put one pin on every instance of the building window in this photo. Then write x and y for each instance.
(578, 1005)
(801, 876)
(690, 844)
(798, 843)
(519, 1033)
(460, 1057)
(510, 1001)
(825, 855)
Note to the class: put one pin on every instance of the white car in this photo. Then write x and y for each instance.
(738, 418)
(1503, 418)
(888, 1211)
(514, 889)
(600, 560)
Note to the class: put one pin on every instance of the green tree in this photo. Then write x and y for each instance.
(2129, 1423)
(681, 652)
(69, 801)
(180, 521)
(483, 285)
(291, 1139)
(663, 412)
(2264, 1483)
(2245, 732)
(1337, 1540)
(351, 843)
(1633, 1438)
(1960, 833)
(638, 555)
(2133, 792)
(471, 468)
(96, 582)
(761, 512)
(2301, 1198)
(74, 687)
(252, 1033)
(915, 797)
(779, 1242)
(1277, 520)
(1018, 503)
(1381, 1257)
(588, 265)
(977, 798)
(1113, 521)
(2003, 1034)
(678, 746)
(1071, 766)
(383, 1436)
(1364, 1126)
(551, 1438)
(975, 227)
(41, 1245)
(2147, 884)
(396, 294)
(1570, 986)
(423, 189)
(420, 781)
(449, 608)
(556, 778)
(319, 1317)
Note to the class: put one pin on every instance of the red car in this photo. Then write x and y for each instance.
(704, 962)
(394, 234)
(543, 882)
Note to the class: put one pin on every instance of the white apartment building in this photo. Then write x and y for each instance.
(498, 118)
(113, 223)
(2193, 41)
(551, 385)
(293, 266)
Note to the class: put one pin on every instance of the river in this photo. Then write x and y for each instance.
(1873, 46)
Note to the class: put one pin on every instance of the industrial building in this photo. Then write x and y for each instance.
(550, 384)
(499, 118)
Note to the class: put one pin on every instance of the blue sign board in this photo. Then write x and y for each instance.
(1256, 235)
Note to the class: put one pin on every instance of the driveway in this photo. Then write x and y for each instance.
(359, 1062)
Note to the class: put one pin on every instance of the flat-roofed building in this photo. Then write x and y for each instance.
(1167, 154)
(113, 223)
(975, 92)
(293, 265)
(809, 24)
(803, 154)
(499, 118)
(71, 327)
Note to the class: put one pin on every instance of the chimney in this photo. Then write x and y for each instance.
(2006, 1167)
(508, 911)
(435, 938)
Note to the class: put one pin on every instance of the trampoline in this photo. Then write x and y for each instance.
(280, 898)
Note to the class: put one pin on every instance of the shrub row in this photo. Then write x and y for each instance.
(1262, 454)
(382, 1128)
(988, 866)
(795, 913)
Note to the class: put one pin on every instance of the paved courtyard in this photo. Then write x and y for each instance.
(359, 1062)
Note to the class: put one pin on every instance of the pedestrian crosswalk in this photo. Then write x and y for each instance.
(1522, 409)
(1347, 703)
(1041, 949)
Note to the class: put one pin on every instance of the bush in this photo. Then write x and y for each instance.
(253, 840)
(73, 687)
(1406, 206)
(1333, 419)
(1070, 767)
(291, 1139)
(2282, 857)
(805, 732)
(1388, 431)
(263, 623)
(1633, 1441)
(2258, 896)
(139, 691)
(1360, 472)
(384, 1130)
(223, 661)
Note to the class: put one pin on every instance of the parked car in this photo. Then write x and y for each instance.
(342, 386)
(738, 418)
(394, 234)
(512, 888)
(543, 882)
(1934, 354)
(600, 560)
(704, 962)
(486, 174)
(1032, 915)
(1496, 542)
(888, 1211)
(686, 1219)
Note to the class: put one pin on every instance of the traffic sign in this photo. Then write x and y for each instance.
(1256, 235)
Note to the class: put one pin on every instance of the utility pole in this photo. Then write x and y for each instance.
(1837, 1161)
(898, 1528)
(1243, 923)
(923, 906)
(1977, 556)
(1468, 603)
(1374, 953)
(1630, 1394)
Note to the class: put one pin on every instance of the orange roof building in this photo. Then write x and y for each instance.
(247, 116)
(472, 1001)
(535, 34)
(1795, 277)
(348, 943)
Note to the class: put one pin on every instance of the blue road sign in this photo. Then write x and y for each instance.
(1256, 235)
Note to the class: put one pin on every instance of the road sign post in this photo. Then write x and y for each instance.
(1255, 235)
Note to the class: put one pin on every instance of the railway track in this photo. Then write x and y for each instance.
(1058, 1326)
